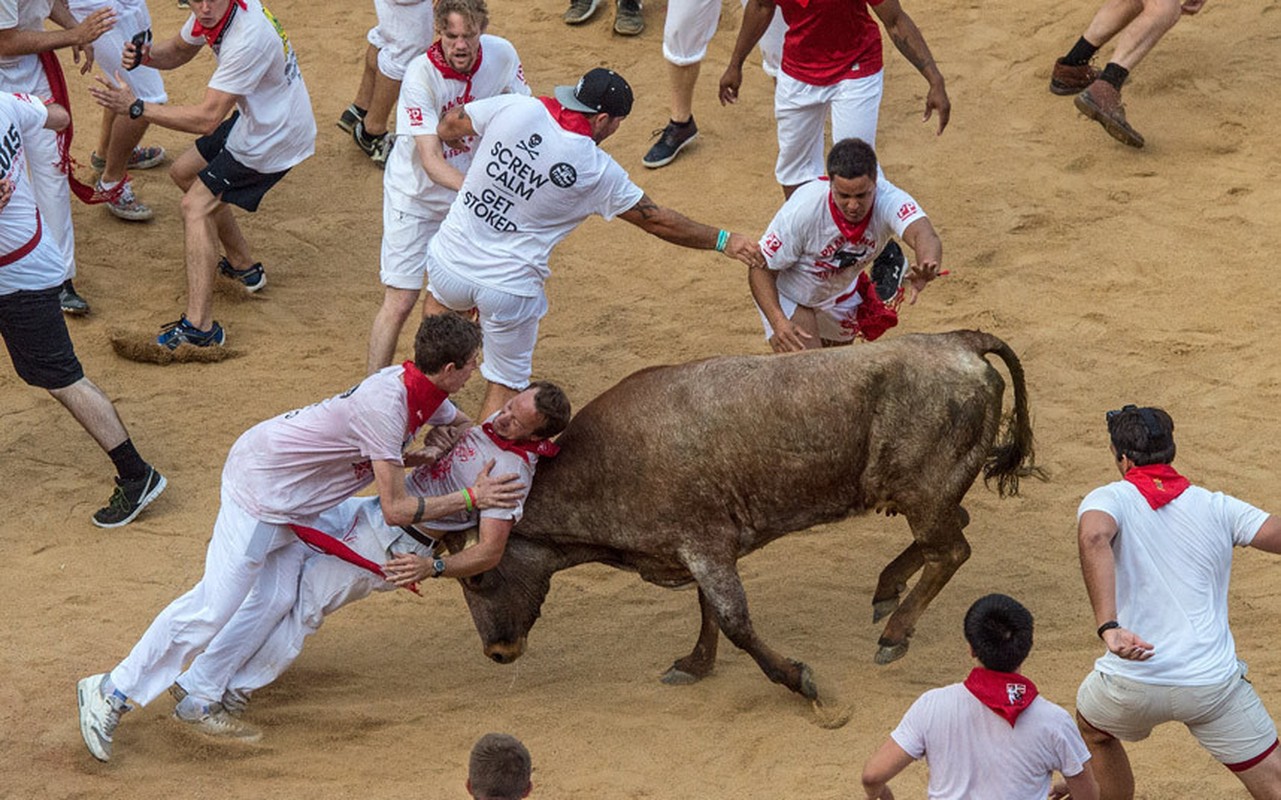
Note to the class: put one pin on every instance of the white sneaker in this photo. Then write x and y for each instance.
(235, 701)
(127, 205)
(215, 721)
(98, 716)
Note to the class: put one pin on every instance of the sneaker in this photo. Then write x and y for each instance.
(234, 701)
(672, 140)
(214, 720)
(181, 332)
(253, 277)
(580, 11)
(184, 3)
(376, 147)
(888, 271)
(129, 499)
(140, 158)
(628, 20)
(126, 205)
(71, 302)
(350, 117)
(1066, 79)
(1101, 102)
(99, 715)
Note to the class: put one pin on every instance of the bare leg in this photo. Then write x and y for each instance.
(1142, 34)
(94, 411)
(384, 97)
(1263, 780)
(432, 306)
(366, 90)
(1111, 764)
(234, 244)
(200, 212)
(682, 78)
(806, 319)
(495, 396)
(396, 307)
(125, 135)
(104, 133)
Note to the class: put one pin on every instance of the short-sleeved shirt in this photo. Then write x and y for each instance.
(974, 753)
(815, 261)
(1172, 570)
(23, 73)
(425, 95)
(256, 62)
(530, 184)
(22, 116)
(828, 41)
(305, 461)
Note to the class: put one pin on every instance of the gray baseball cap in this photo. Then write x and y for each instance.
(600, 91)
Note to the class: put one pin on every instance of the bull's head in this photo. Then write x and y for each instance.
(505, 601)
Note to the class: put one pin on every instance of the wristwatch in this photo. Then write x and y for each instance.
(135, 109)
(437, 568)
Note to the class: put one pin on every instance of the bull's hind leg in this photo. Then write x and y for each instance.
(893, 580)
(943, 549)
(698, 664)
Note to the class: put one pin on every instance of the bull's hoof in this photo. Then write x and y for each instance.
(678, 677)
(809, 686)
(887, 653)
(883, 608)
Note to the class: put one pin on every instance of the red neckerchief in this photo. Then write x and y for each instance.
(436, 55)
(852, 231)
(66, 164)
(544, 448)
(212, 35)
(572, 121)
(423, 396)
(872, 318)
(1007, 693)
(1158, 483)
(335, 547)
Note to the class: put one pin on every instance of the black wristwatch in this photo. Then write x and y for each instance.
(135, 109)
(437, 568)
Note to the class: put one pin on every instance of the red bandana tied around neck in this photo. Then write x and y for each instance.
(337, 548)
(544, 448)
(1007, 693)
(66, 164)
(572, 121)
(212, 35)
(436, 55)
(423, 396)
(852, 231)
(1158, 483)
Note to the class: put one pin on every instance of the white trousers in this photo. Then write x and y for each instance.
(801, 111)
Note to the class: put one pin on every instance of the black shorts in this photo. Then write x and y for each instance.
(35, 334)
(228, 179)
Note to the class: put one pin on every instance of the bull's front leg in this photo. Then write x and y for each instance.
(943, 551)
(893, 580)
(698, 664)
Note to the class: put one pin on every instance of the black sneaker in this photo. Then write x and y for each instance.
(672, 140)
(628, 20)
(580, 11)
(350, 117)
(376, 147)
(888, 271)
(253, 277)
(180, 332)
(71, 302)
(129, 499)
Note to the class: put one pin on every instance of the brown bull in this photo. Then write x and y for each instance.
(679, 471)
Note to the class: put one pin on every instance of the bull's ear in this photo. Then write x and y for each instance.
(457, 540)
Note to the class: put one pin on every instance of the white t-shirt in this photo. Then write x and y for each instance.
(529, 186)
(974, 754)
(22, 116)
(256, 62)
(83, 8)
(814, 260)
(304, 461)
(1172, 570)
(23, 73)
(425, 95)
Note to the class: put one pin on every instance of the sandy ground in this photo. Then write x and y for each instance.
(1117, 275)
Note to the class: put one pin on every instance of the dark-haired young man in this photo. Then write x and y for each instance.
(1156, 554)
(959, 728)
(499, 768)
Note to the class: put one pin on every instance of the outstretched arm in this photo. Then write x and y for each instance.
(202, 119)
(1098, 566)
(401, 508)
(908, 40)
(928, 248)
(672, 226)
(77, 36)
(884, 764)
(1268, 538)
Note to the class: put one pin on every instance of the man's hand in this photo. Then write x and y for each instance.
(731, 81)
(114, 95)
(133, 57)
(87, 32)
(746, 250)
(407, 568)
(936, 100)
(1127, 644)
(1190, 7)
(918, 276)
(505, 491)
(788, 337)
(6, 192)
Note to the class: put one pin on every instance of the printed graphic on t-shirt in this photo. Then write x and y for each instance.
(513, 176)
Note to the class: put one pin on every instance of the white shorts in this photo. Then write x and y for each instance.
(835, 316)
(403, 263)
(690, 25)
(146, 82)
(405, 29)
(1228, 719)
(801, 110)
(508, 324)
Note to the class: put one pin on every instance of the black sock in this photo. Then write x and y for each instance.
(1081, 53)
(360, 112)
(128, 463)
(684, 124)
(371, 138)
(1115, 74)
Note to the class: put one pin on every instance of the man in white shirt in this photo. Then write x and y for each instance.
(814, 290)
(237, 158)
(1156, 554)
(991, 736)
(422, 177)
(538, 173)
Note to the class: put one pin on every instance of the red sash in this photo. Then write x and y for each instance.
(21, 252)
(335, 547)
(66, 164)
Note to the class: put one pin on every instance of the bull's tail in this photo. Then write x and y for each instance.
(1014, 456)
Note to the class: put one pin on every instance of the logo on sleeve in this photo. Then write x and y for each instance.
(906, 210)
(563, 175)
(772, 244)
(415, 116)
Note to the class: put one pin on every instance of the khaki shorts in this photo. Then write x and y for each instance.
(1228, 719)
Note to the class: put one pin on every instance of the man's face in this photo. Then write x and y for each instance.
(209, 12)
(518, 418)
(461, 42)
(452, 379)
(854, 196)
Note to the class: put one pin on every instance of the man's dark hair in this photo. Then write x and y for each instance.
(552, 402)
(445, 339)
(999, 629)
(851, 158)
(1144, 434)
(499, 768)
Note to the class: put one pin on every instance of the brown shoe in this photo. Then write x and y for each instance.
(1065, 79)
(1101, 102)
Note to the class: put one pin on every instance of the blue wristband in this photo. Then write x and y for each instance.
(722, 239)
